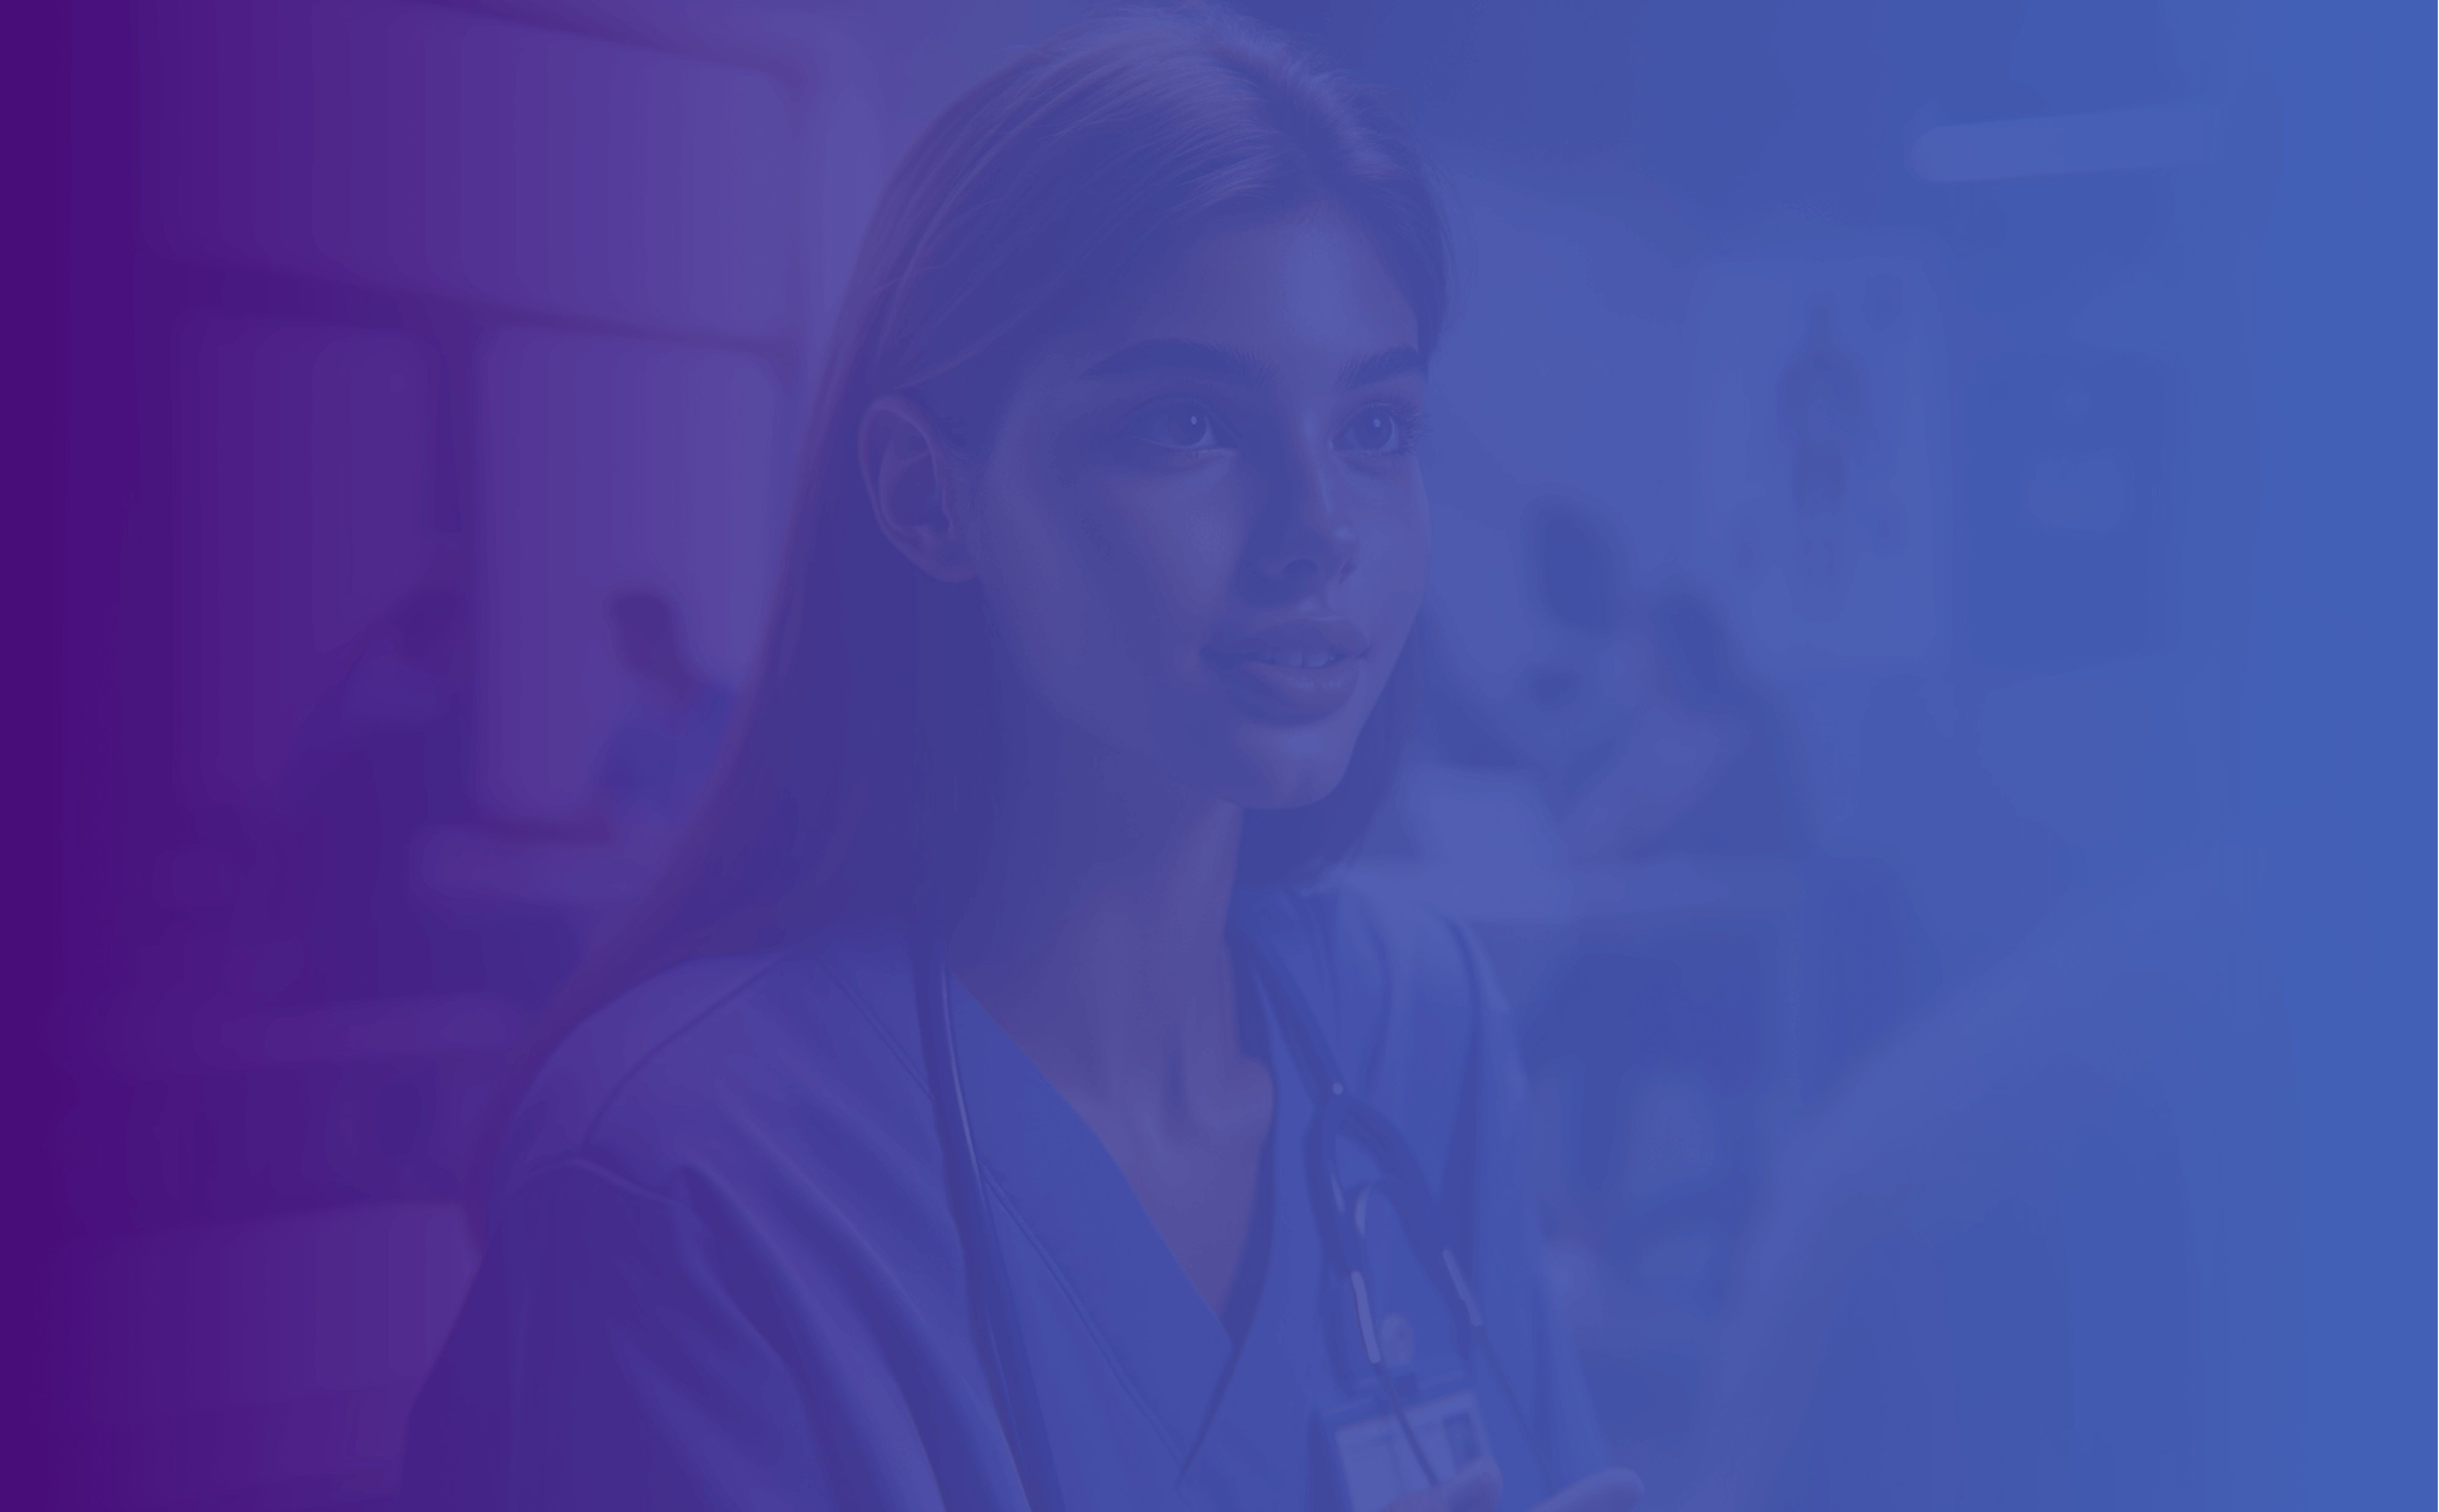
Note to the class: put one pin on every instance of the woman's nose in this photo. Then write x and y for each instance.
(1308, 540)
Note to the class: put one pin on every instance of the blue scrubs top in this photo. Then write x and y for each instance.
(724, 1273)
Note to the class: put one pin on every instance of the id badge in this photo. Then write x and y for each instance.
(1375, 1464)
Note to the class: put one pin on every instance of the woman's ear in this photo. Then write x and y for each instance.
(911, 477)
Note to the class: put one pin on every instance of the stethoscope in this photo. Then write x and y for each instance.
(1337, 1115)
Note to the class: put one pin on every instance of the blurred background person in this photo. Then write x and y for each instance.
(656, 763)
(1704, 763)
(1982, 1224)
(386, 754)
(555, 882)
(653, 766)
(1621, 806)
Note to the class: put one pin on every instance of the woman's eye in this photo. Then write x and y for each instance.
(1379, 430)
(1184, 426)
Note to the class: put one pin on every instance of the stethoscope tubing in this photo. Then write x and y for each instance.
(1341, 1114)
(1000, 1337)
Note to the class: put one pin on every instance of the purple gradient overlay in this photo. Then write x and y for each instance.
(1928, 700)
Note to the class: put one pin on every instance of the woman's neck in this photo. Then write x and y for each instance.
(1099, 941)
(1098, 934)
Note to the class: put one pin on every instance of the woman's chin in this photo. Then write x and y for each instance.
(1272, 779)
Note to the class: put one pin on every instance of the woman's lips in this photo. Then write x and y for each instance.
(1292, 673)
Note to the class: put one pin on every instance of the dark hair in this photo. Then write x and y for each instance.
(1035, 195)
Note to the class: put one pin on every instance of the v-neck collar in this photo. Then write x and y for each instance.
(1231, 1411)
(1260, 1427)
(1075, 1207)
(1257, 1421)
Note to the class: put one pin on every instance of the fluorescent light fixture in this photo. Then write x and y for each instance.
(2112, 141)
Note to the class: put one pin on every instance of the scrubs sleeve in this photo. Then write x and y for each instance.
(1509, 1276)
(626, 1368)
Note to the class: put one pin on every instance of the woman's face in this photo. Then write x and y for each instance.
(1200, 524)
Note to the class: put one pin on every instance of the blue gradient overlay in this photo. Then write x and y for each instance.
(1926, 689)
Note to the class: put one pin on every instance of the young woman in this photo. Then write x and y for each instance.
(996, 1112)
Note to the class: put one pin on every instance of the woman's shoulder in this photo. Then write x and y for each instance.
(787, 1053)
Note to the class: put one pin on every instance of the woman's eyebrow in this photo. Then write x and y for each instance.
(1191, 356)
(1389, 364)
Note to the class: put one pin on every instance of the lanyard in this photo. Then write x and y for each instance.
(1341, 1114)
